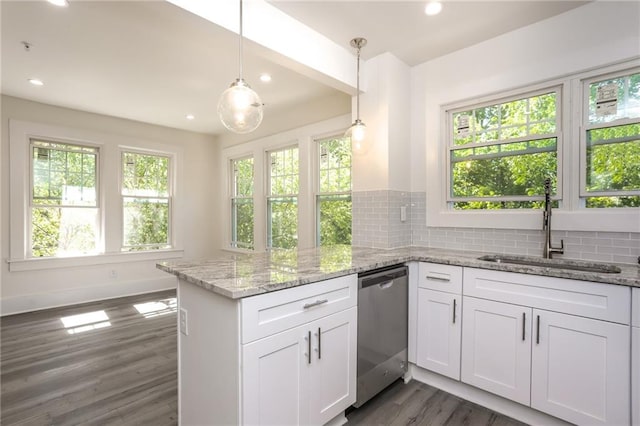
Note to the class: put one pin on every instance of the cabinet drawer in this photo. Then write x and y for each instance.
(607, 302)
(270, 313)
(635, 307)
(435, 276)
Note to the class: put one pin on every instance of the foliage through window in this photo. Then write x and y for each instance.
(612, 145)
(282, 199)
(64, 199)
(146, 201)
(242, 203)
(333, 202)
(501, 153)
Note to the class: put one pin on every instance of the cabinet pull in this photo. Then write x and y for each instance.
(538, 330)
(454, 311)
(319, 343)
(309, 351)
(524, 319)
(437, 278)
(316, 303)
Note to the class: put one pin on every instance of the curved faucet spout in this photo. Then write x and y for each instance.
(548, 249)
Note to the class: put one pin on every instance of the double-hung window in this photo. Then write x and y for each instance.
(611, 149)
(146, 201)
(500, 153)
(333, 200)
(64, 199)
(282, 198)
(242, 203)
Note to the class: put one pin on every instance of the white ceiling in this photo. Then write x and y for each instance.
(153, 62)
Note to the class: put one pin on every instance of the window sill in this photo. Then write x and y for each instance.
(34, 264)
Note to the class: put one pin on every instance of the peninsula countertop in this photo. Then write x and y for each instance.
(237, 275)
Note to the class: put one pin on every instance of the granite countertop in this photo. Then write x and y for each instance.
(237, 275)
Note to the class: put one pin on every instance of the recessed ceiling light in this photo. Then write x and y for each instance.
(433, 8)
(190, 116)
(36, 82)
(61, 3)
(265, 77)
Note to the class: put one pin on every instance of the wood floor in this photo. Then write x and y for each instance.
(118, 366)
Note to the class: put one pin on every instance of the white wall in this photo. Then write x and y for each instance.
(43, 288)
(383, 163)
(590, 36)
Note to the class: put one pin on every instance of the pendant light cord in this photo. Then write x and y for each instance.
(240, 45)
(358, 87)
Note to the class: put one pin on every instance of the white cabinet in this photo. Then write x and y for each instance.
(496, 348)
(580, 369)
(286, 357)
(439, 319)
(438, 329)
(305, 375)
(564, 364)
(635, 357)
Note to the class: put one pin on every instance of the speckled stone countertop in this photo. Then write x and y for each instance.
(237, 275)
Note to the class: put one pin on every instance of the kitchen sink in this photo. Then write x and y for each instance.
(574, 265)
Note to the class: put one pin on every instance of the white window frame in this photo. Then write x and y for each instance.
(318, 154)
(233, 196)
(20, 135)
(450, 199)
(269, 196)
(169, 197)
(570, 216)
(586, 126)
(304, 138)
(98, 206)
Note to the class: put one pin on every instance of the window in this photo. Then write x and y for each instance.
(64, 199)
(282, 199)
(611, 154)
(501, 153)
(333, 202)
(146, 201)
(242, 203)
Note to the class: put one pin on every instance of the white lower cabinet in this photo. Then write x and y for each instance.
(564, 364)
(438, 332)
(496, 348)
(305, 375)
(580, 369)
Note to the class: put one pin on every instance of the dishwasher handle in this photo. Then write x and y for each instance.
(385, 279)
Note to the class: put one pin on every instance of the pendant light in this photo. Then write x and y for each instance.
(240, 108)
(357, 130)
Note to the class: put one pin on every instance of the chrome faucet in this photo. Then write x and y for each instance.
(548, 249)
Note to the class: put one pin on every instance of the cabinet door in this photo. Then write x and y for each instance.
(275, 377)
(580, 369)
(635, 375)
(333, 366)
(496, 348)
(439, 330)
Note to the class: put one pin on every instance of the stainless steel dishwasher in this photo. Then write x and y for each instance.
(382, 330)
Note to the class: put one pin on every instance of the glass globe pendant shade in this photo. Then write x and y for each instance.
(240, 108)
(356, 132)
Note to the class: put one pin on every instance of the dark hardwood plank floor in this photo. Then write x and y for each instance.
(417, 404)
(119, 367)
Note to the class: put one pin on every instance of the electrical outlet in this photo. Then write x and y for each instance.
(113, 274)
(184, 329)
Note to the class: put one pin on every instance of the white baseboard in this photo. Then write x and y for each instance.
(36, 302)
(493, 402)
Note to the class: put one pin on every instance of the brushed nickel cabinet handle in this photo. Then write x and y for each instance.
(316, 303)
(437, 278)
(454, 311)
(538, 330)
(319, 343)
(524, 319)
(309, 343)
